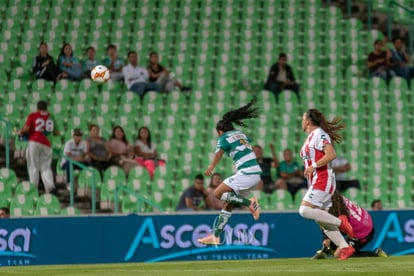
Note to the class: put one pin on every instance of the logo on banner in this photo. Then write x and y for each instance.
(15, 246)
(241, 237)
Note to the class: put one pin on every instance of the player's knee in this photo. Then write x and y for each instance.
(305, 211)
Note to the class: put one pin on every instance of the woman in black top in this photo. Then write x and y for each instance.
(43, 65)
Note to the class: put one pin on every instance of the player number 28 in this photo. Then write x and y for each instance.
(42, 125)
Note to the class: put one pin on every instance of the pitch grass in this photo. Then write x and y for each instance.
(354, 266)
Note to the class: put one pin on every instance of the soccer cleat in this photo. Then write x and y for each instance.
(346, 227)
(380, 252)
(345, 253)
(254, 208)
(210, 240)
(319, 255)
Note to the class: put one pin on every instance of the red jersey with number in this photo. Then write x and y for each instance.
(41, 125)
(322, 178)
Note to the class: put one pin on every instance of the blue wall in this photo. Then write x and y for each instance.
(133, 238)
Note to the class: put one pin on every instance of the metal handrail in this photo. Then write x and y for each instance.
(140, 198)
(6, 140)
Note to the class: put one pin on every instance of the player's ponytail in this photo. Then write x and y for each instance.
(237, 116)
(331, 127)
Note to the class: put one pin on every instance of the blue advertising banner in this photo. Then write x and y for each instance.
(135, 238)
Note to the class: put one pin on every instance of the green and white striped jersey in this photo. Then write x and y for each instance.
(237, 146)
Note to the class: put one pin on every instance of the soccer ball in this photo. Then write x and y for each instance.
(100, 74)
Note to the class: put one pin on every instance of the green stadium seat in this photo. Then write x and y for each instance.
(22, 205)
(115, 173)
(70, 211)
(28, 189)
(47, 205)
(8, 177)
(131, 204)
(6, 193)
(85, 182)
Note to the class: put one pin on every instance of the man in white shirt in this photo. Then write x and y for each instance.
(76, 149)
(137, 77)
(341, 166)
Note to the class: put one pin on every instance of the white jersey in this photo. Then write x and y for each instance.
(322, 178)
(134, 74)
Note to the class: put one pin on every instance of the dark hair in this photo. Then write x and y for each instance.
(123, 138)
(62, 52)
(199, 177)
(258, 146)
(211, 179)
(90, 48)
(377, 41)
(397, 38)
(149, 135)
(42, 105)
(91, 126)
(287, 149)
(331, 127)
(375, 201)
(338, 205)
(153, 53)
(282, 55)
(131, 52)
(237, 116)
(42, 43)
(6, 210)
(110, 46)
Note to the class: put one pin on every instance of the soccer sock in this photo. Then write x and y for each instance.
(232, 197)
(321, 217)
(336, 237)
(220, 222)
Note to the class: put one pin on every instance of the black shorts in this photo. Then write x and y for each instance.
(358, 244)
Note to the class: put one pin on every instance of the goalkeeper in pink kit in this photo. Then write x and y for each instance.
(361, 223)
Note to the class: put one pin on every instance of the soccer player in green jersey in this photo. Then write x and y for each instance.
(233, 190)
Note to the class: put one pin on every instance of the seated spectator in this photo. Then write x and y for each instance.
(44, 67)
(69, 64)
(400, 61)
(281, 78)
(97, 149)
(215, 181)
(146, 151)
(194, 198)
(76, 149)
(378, 64)
(267, 184)
(113, 62)
(290, 174)
(376, 205)
(160, 75)
(137, 77)
(340, 167)
(120, 151)
(89, 63)
(4, 212)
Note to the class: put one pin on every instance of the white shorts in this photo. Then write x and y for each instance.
(318, 198)
(242, 184)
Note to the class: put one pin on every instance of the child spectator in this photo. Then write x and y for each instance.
(89, 63)
(69, 64)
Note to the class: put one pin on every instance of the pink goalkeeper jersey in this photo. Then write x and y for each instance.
(359, 219)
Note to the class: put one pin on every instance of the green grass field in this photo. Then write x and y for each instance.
(361, 266)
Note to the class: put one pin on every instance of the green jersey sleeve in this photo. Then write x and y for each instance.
(222, 144)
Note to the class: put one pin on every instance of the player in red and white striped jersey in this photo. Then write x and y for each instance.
(317, 154)
(38, 126)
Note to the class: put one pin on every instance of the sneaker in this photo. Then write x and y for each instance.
(254, 208)
(210, 240)
(345, 253)
(345, 227)
(319, 255)
(380, 252)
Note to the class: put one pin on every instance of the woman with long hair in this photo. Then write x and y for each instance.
(233, 190)
(215, 203)
(44, 67)
(120, 151)
(317, 154)
(146, 151)
(97, 149)
(68, 63)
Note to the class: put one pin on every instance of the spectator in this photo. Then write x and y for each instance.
(97, 149)
(76, 149)
(281, 78)
(215, 204)
(39, 125)
(4, 212)
(44, 66)
(376, 205)
(160, 75)
(194, 198)
(136, 77)
(113, 62)
(146, 151)
(69, 64)
(120, 151)
(290, 174)
(400, 61)
(89, 63)
(340, 167)
(378, 64)
(267, 184)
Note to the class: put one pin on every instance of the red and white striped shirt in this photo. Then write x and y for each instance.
(322, 178)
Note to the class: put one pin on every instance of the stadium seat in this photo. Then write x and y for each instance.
(28, 189)
(85, 181)
(8, 177)
(22, 205)
(70, 211)
(47, 205)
